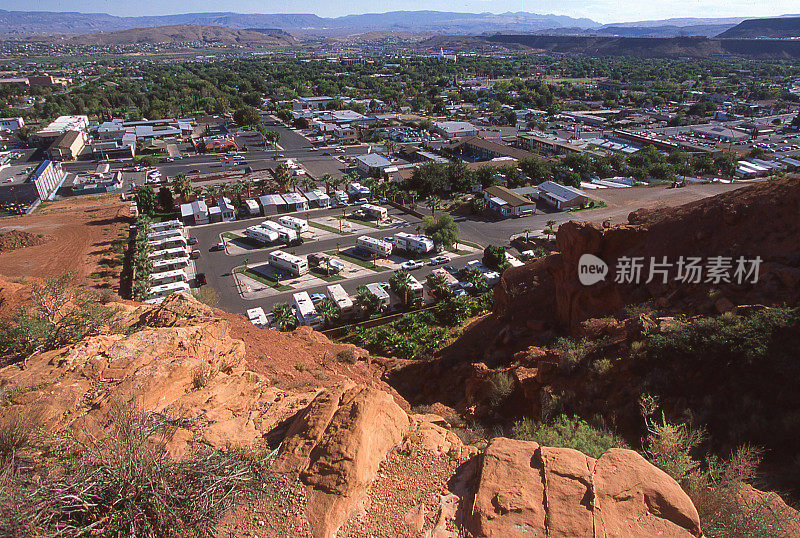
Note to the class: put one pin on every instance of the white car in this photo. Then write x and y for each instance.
(439, 260)
(411, 265)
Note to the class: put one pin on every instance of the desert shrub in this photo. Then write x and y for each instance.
(502, 385)
(208, 296)
(347, 355)
(16, 431)
(572, 353)
(569, 432)
(127, 485)
(202, 375)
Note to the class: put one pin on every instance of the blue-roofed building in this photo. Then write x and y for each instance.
(372, 164)
(562, 197)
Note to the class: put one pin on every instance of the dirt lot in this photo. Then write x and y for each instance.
(85, 236)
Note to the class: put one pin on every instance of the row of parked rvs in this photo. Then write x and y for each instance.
(287, 230)
(170, 259)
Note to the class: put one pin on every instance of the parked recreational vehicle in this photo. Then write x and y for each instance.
(415, 244)
(261, 234)
(451, 280)
(258, 318)
(378, 291)
(168, 242)
(375, 211)
(339, 296)
(158, 293)
(168, 253)
(170, 264)
(304, 310)
(287, 235)
(155, 236)
(298, 225)
(166, 225)
(374, 246)
(287, 262)
(167, 277)
(415, 292)
(490, 277)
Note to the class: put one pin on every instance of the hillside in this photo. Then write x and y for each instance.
(777, 28)
(207, 35)
(639, 47)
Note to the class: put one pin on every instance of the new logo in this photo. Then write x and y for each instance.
(591, 269)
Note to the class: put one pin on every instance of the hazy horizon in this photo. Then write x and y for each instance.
(601, 11)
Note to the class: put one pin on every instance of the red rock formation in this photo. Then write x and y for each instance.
(529, 490)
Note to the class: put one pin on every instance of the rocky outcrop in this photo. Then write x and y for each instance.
(336, 446)
(728, 225)
(528, 490)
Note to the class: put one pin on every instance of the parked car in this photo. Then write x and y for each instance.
(200, 279)
(411, 265)
(450, 269)
(439, 260)
(326, 153)
(218, 246)
(192, 240)
(317, 297)
(459, 292)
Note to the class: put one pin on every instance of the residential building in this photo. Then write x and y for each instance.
(507, 202)
(12, 124)
(562, 197)
(226, 209)
(195, 213)
(311, 103)
(545, 145)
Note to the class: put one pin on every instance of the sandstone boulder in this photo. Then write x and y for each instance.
(528, 490)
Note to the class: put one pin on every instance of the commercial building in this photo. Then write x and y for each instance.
(455, 129)
(718, 132)
(545, 145)
(59, 126)
(12, 124)
(67, 146)
(480, 149)
(372, 164)
(507, 202)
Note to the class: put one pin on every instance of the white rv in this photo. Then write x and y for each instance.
(305, 311)
(261, 234)
(258, 318)
(378, 291)
(376, 247)
(339, 296)
(287, 262)
(296, 224)
(415, 244)
(167, 277)
(375, 211)
(287, 235)
(158, 293)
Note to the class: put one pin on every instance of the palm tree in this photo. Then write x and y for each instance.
(473, 276)
(527, 231)
(433, 202)
(401, 285)
(549, 230)
(283, 317)
(328, 310)
(198, 193)
(390, 145)
(365, 301)
(327, 180)
(181, 185)
(249, 186)
(283, 177)
(307, 184)
(439, 285)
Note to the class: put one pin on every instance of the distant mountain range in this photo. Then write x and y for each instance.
(24, 24)
(180, 33)
(781, 28)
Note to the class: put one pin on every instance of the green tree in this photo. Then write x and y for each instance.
(328, 311)
(473, 275)
(246, 116)
(400, 283)
(433, 203)
(181, 185)
(283, 317)
(443, 231)
(494, 257)
(439, 285)
(165, 199)
(366, 302)
(146, 200)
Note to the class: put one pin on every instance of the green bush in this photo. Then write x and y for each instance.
(568, 432)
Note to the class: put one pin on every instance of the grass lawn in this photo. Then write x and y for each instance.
(328, 228)
(473, 245)
(320, 273)
(458, 252)
(252, 243)
(362, 263)
(261, 278)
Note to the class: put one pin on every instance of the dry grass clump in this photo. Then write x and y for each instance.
(126, 484)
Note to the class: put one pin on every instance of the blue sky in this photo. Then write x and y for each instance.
(604, 11)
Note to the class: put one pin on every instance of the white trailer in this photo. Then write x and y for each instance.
(252, 207)
(168, 253)
(339, 296)
(305, 311)
(155, 236)
(166, 277)
(170, 264)
(378, 291)
(172, 241)
(415, 292)
(287, 235)
(261, 234)
(158, 293)
(375, 211)
(258, 318)
(166, 225)
(287, 262)
(296, 224)
(415, 244)
(376, 247)
(451, 280)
